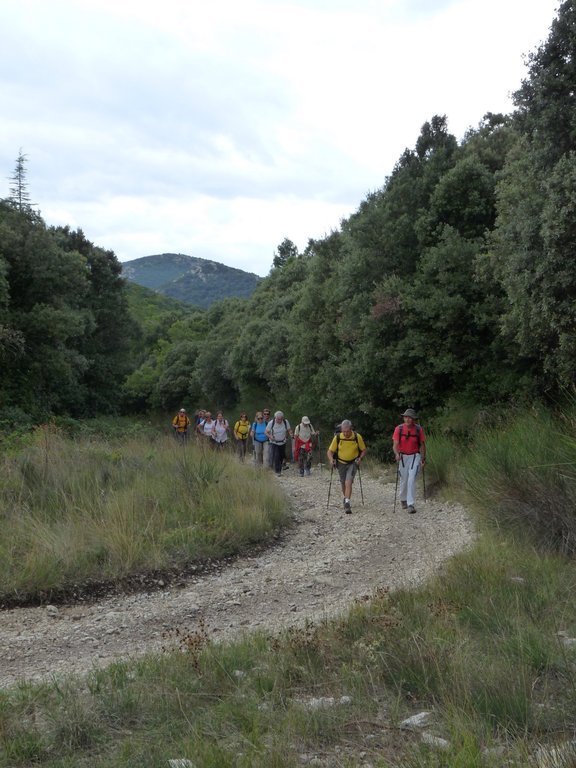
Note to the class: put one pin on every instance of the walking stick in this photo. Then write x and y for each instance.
(330, 486)
(360, 479)
(396, 486)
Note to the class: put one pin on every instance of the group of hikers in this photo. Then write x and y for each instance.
(271, 434)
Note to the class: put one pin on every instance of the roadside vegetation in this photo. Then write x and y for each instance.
(92, 509)
(453, 283)
(487, 647)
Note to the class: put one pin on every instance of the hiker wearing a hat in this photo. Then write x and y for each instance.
(277, 432)
(180, 424)
(303, 435)
(410, 451)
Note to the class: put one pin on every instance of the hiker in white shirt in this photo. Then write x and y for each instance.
(278, 430)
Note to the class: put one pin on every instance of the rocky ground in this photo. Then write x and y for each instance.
(320, 565)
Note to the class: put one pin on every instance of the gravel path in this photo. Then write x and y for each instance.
(325, 561)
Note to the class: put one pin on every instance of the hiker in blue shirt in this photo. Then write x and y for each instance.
(259, 437)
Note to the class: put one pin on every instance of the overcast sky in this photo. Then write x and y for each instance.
(217, 129)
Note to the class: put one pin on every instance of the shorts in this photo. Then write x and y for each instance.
(347, 472)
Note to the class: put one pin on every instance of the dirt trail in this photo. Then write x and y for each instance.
(325, 561)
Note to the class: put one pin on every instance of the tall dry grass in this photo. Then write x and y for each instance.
(523, 476)
(74, 510)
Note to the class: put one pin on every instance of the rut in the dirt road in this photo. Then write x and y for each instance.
(325, 561)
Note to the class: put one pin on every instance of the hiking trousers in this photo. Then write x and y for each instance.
(268, 459)
(277, 452)
(259, 451)
(408, 468)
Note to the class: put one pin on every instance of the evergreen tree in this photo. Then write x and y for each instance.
(19, 194)
(533, 245)
(285, 251)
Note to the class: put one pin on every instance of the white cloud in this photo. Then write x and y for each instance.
(217, 129)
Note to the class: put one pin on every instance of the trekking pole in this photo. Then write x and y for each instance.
(396, 486)
(330, 486)
(360, 479)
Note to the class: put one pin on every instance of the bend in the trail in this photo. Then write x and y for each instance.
(324, 562)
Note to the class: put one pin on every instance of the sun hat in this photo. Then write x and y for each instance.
(410, 412)
(305, 420)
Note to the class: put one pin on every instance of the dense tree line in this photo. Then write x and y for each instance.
(65, 329)
(453, 283)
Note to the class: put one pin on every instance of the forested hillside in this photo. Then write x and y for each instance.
(199, 282)
(452, 284)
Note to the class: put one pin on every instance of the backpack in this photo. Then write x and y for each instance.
(242, 429)
(338, 436)
(402, 434)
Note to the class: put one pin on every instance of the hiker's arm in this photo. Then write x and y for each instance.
(331, 452)
(397, 449)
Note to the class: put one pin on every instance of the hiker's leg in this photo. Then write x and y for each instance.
(277, 456)
(342, 469)
(413, 467)
(258, 452)
(350, 475)
(403, 472)
(281, 456)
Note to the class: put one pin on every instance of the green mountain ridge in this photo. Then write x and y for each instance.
(190, 279)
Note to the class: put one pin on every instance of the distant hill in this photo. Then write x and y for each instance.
(195, 281)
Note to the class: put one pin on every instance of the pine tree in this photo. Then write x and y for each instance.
(19, 195)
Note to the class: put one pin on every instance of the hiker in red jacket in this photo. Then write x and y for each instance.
(409, 443)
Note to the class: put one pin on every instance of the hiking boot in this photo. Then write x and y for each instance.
(301, 472)
(308, 472)
(404, 504)
(411, 509)
(347, 507)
